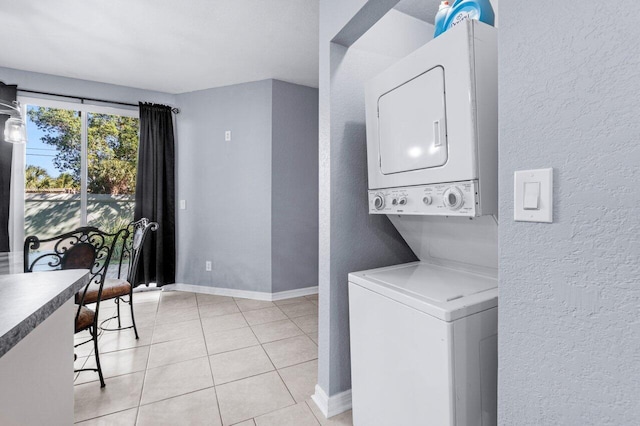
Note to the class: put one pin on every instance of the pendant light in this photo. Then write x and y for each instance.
(14, 128)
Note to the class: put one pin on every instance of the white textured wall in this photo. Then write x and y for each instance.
(294, 186)
(570, 291)
(350, 238)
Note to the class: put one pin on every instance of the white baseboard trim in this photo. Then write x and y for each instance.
(334, 405)
(290, 294)
(246, 294)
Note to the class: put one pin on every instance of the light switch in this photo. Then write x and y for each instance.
(533, 195)
(183, 204)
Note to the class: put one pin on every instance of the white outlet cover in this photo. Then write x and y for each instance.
(183, 204)
(544, 212)
(227, 135)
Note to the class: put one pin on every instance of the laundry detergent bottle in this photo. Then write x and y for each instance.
(441, 18)
(461, 10)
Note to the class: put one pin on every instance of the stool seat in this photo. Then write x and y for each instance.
(84, 319)
(113, 287)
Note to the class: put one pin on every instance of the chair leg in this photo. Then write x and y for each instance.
(118, 310)
(133, 318)
(94, 333)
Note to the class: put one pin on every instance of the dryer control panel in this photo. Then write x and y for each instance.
(442, 199)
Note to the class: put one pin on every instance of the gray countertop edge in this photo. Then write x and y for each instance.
(21, 330)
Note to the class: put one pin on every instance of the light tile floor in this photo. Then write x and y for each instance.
(205, 360)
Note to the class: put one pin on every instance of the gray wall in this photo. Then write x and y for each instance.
(350, 238)
(294, 187)
(252, 203)
(569, 319)
(227, 187)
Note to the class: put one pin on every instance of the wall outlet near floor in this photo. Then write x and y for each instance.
(227, 135)
(207, 265)
(183, 204)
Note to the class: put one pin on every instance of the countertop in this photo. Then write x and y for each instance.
(26, 300)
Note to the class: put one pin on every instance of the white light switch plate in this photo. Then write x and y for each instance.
(183, 204)
(227, 135)
(544, 212)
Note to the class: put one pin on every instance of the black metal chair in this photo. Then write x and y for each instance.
(85, 248)
(119, 288)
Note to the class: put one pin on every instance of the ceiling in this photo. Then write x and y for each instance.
(168, 46)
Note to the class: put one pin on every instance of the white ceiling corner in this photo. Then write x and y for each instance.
(168, 46)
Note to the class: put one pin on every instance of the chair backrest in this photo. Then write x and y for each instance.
(84, 248)
(132, 243)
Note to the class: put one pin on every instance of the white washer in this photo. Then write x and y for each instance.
(423, 346)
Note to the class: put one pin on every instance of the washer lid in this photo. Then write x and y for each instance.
(439, 291)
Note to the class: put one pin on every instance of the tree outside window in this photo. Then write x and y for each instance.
(53, 172)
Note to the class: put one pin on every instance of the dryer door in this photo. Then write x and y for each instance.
(412, 124)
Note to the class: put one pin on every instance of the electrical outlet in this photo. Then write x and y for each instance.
(227, 135)
(183, 204)
(207, 265)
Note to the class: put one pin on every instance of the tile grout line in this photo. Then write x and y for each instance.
(271, 361)
(274, 365)
(104, 415)
(246, 377)
(149, 356)
(206, 348)
(278, 370)
(312, 413)
(176, 396)
(119, 375)
(147, 369)
(144, 378)
(254, 335)
(304, 333)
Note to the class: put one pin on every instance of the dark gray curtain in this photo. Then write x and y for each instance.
(8, 94)
(155, 194)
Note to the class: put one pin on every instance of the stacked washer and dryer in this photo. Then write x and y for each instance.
(424, 334)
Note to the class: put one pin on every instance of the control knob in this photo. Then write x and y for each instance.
(427, 199)
(378, 202)
(453, 198)
(402, 201)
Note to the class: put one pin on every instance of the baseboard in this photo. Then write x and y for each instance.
(245, 294)
(290, 294)
(334, 405)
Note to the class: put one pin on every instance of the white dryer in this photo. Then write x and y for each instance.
(423, 346)
(432, 128)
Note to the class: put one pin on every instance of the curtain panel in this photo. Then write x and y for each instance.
(8, 94)
(155, 193)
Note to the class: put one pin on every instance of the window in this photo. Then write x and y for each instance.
(80, 166)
